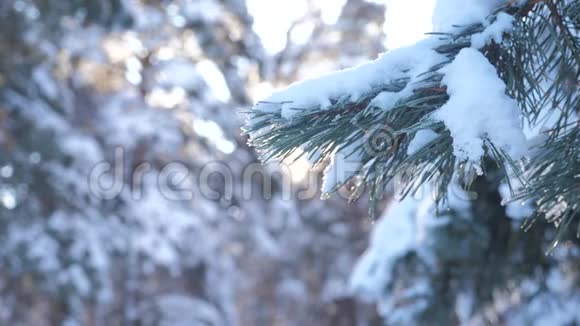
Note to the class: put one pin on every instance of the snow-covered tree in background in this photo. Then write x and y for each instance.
(66, 105)
(163, 81)
(480, 119)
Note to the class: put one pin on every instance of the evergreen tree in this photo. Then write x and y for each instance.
(492, 73)
(480, 121)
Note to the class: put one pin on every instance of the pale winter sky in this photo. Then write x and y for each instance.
(406, 20)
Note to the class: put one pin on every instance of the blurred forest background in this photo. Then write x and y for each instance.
(166, 81)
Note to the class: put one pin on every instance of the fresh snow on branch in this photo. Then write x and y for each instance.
(451, 13)
(353, 83)
(479, 108)
(503, 24)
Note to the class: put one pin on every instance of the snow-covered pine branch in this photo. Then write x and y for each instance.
(466, 93)
(390, 103)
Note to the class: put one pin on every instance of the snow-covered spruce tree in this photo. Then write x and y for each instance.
(66, 104)
(488, 101)
(496, 84)
(52, 236)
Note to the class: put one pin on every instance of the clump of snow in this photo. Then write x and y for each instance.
(503, 24)
(385, 99)
(410, 227)
(354, 83)
(450, 13)
(422, 138)
(392, 237)
(479, 108)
